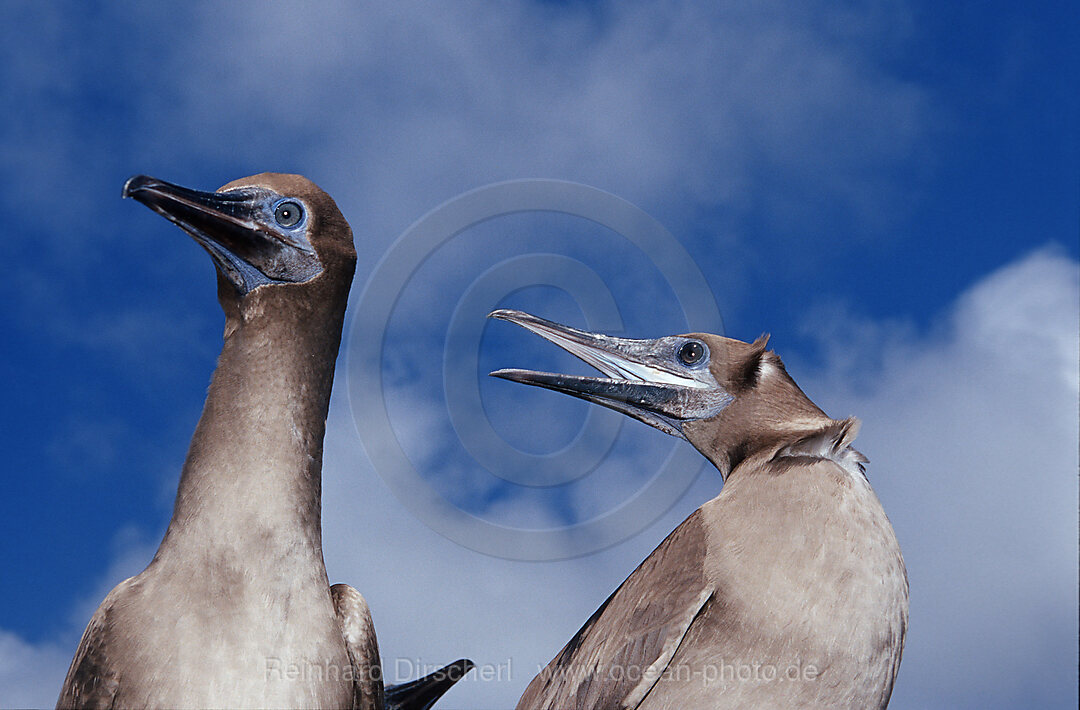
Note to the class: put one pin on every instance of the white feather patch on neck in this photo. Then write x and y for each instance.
(833, 442)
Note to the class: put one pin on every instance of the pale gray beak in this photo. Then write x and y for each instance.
(662, 382)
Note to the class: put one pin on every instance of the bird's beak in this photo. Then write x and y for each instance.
(642, 377)
(233, 227)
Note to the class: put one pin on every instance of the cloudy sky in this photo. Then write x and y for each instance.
(889, 188)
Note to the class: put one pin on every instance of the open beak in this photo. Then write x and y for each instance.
(232, 227)
(642, 377)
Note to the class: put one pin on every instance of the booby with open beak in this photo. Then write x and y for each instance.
(235, 609)
(786, 590)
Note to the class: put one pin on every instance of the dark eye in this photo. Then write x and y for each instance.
(691, 352)
(289, 214)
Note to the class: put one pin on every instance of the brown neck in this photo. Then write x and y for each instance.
(253, 472)
(772, 413)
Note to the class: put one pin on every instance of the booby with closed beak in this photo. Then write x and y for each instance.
(786, 590)
(235, 609)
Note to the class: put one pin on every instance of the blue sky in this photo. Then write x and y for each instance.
(890, 189)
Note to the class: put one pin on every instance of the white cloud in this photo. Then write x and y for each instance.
(397, 107)
(401, 106)
(31, 673)
(972, 435)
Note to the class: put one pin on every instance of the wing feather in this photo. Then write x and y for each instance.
(362, 645)
(625, 647)
(92, 681)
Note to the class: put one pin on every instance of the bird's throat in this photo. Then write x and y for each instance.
(255, 460)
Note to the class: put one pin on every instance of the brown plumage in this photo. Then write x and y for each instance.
(235, 609)
(786, 590)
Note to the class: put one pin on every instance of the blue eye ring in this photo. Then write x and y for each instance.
(691, 353)
(288, 213)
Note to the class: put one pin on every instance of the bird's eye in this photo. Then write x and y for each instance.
(691, 352)
(289, 214)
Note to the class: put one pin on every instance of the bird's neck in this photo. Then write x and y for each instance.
(775, 414)
(253, 472)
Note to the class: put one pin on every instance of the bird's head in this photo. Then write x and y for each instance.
(266, 231)
(717, 393)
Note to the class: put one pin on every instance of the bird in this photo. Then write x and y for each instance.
(235, 609)
(788, 589)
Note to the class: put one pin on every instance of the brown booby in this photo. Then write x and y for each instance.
(235, 609)
(787, 590)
